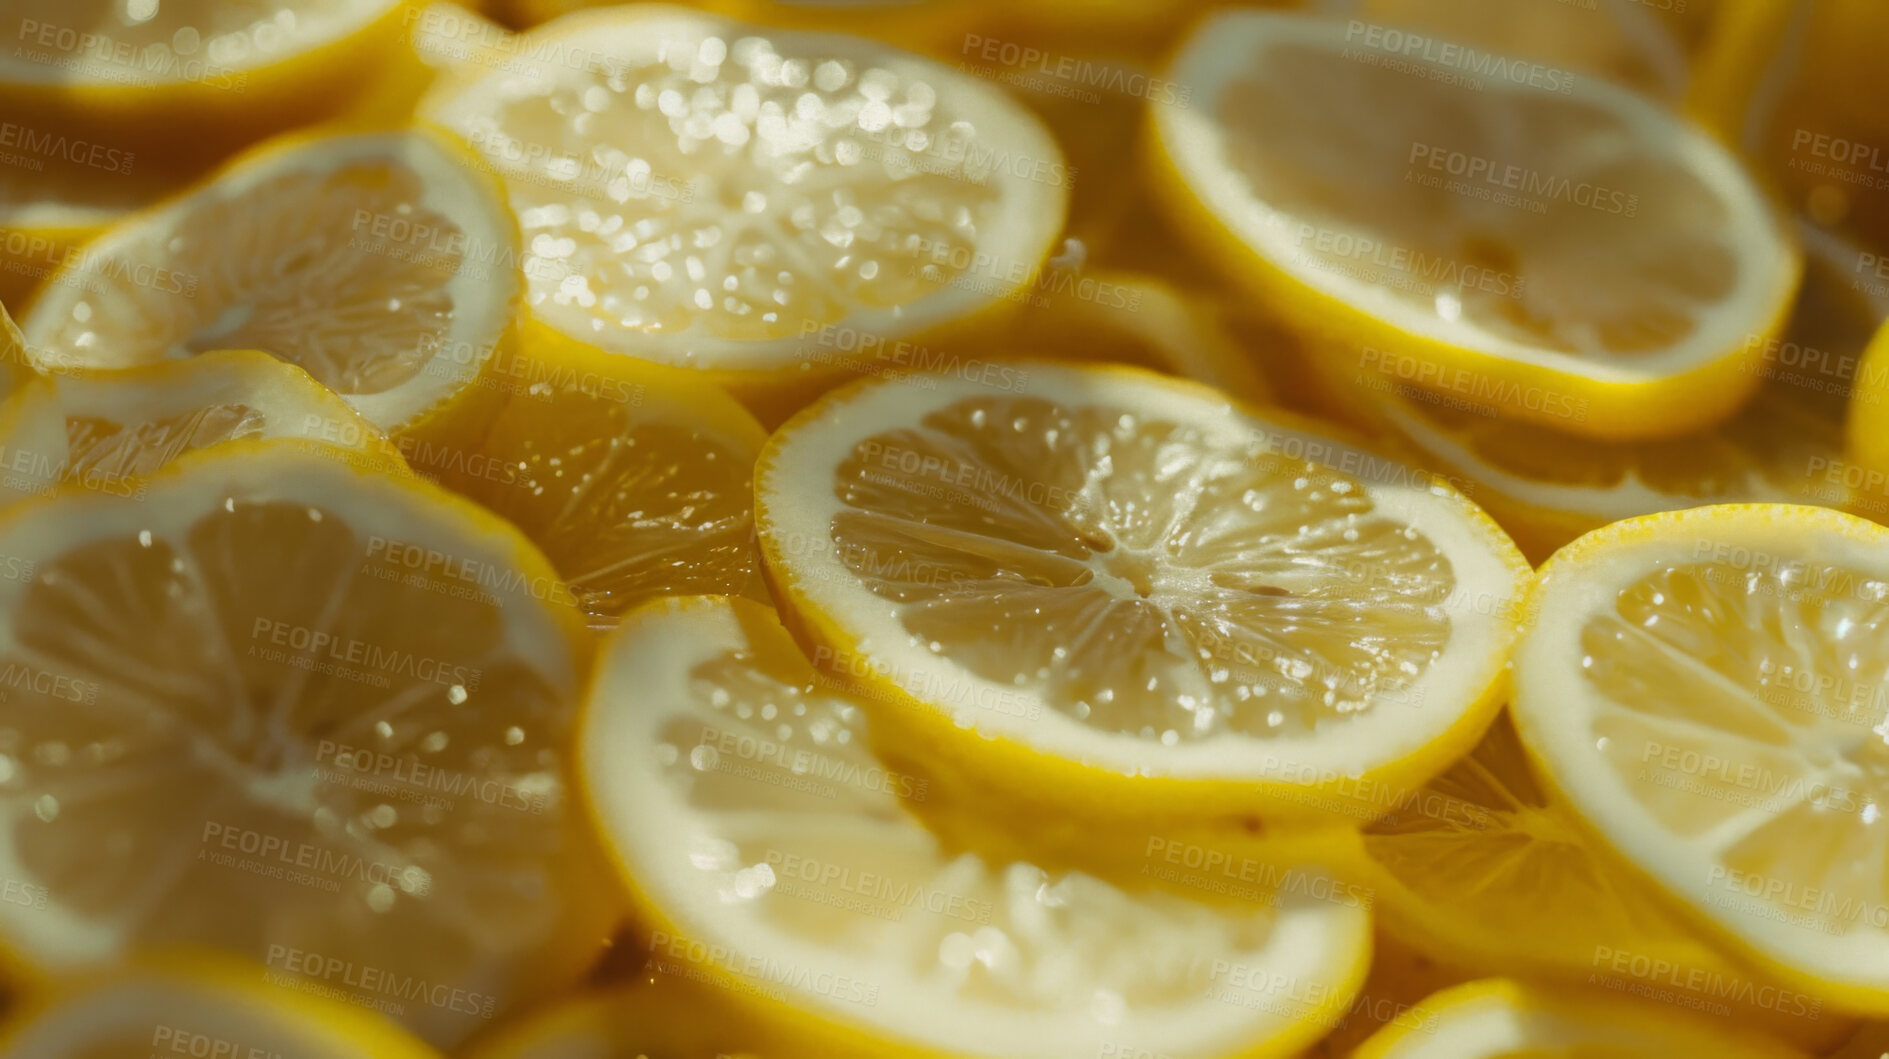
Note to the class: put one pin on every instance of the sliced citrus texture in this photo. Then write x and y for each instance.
(774, 210)
(108, 430)
(1794, 88)
(135, 74)
(195, 1006)
(324, 710)
(1706, 689)
(657, 1019)
(772, 853)
(1866, 432)
(16, 367)
(385, 265)
(1501, 1019)
(1114, 588)
(1620, 40)
(1487, 872)
(1132, 318)
(1526, 247)
(633, 483)
(1549, 486)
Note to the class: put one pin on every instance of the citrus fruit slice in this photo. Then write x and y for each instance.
(195, 1006)
(135, 75)
(1142, 320)
(772, 853)
(1537, 245)
(384, 265)
(1500, 1019)
(1549, 486)
(633, 483)
(1485, 871)
(325, 712)
(1620, 40)
(1705, 687)
(654, 1019)
(774, 210)
(1116, 589)
(107, 431)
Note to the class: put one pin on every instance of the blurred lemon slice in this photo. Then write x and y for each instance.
(771, 209)
(183, 80)
(1485, 871)
(108, 430)
(384, 265)
(774, 854)
(1501, 1019)
(1114, 589)
(634, 483)
(195, 1006)
(324, 714)
(656, 1019)
(1620, 40)
(1706, 688)
(1549, 486)
(1533, 246)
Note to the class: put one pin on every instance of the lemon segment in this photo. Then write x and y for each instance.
(771, 209)
(1549, 486)
(635, 483)
(384, 265)
(1501, 1019)
(1112, 588)
(1568, 252)
(178, 1004)
(1703, 687)
(325, 710)
(106, 431)
(178, 82)
(773, 853)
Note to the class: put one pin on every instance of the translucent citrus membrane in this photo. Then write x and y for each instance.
(791, 842)
(1765, 452)
(1620, 40)
(1485, 839)
(185, 688)
(176, 1003)
(105, 431)
(717, 185)
(286, 265)
(1148, 578)
(1607, 246)
(630, 492)
(171, 40)
(1745, 711)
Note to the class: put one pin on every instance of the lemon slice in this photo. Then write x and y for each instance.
(384, 265)
(1109, 587)
(634, 483)
(656, 1019)
(323, 710)
(773, 854)
(772, 209)
(1549, 486)
(1500, 1019)
(195, 1006)
(1568, 252)
(1621, 40)
(106, 431)
(134, 75)
(1487, 872)
(1705, 687)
